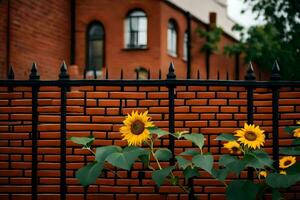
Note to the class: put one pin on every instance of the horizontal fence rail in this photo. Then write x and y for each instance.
(170, 83)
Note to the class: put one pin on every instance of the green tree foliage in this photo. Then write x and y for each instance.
(278, 39)
(213, 37)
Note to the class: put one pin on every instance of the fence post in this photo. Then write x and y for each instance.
(250, 76)
(171, 76)
(275, 119)
(63, 76)
(34, 76)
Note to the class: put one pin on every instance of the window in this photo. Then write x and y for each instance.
(142, 73)
(172, 38)
(185, 46)
(95, 49)
(136, 30)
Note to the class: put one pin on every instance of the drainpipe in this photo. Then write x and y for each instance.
(8, 36)
(212, 23)
(73, 25)
(189, 57)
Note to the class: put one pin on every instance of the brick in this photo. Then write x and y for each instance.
(157, 95)
(205, 109)
(217, 102)
(128, 95)
(227, 95)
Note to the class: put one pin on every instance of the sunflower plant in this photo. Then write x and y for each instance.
(141, 134)
(245, 151)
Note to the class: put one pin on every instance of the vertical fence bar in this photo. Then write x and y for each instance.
(171, 76)
(250, 76)
(34, 134)
(63, 109)
(275, 119)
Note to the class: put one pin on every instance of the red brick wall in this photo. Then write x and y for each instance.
(116, 56)
(40, 32)
(99, 111)
(156, 56)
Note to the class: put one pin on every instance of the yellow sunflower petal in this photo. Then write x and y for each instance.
(134, 129)
(287, 161)
(251, 136)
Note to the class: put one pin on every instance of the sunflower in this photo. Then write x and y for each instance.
(135, 128)
(297, 132)
(263, 174)
(287, 161)
(233, 147)
(282, 172)
(251, 136)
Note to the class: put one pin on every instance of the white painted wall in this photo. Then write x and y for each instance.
(201, 9)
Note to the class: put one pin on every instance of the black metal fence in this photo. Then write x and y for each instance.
(170, 82)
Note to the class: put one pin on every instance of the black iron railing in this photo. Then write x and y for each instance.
(170, 82)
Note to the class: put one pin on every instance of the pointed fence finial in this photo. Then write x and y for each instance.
(106, 73)
(250, 75)
(198, 74)
(275, 76)
(121, 74)
(159, 74)
(34, 75)
(149, 75)
(171, 74)
(10, 73)
(63, 71)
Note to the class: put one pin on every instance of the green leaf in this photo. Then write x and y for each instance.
(182, 162)
(220, 174)
(174, 180)
(196, 138)
(276, 180)
(236, 166)
(118, 160)
(204, 162)
(84, 141)
(89, 173)
(296, 141)
(191, 152)
(226, 137)
(133, 153)
(159, 132)
(190, 173)
(232, 164)
(290, 129)
(276, 195)
(145, 159)
(125, 159)
(103, 152)
(160, 175)
(163, 154)
(226, 159)
(294, 169)
(258, 159)
(290, 151)
(242, 189)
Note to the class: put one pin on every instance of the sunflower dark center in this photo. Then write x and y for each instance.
(251, 136)
(287, 162)
(235, 149)
(137, 127)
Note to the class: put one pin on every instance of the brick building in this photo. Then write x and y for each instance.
(133, 35)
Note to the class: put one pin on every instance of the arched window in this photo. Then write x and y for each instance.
(172, 37)
(95, 49)
(136, 29)
(185, 46)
